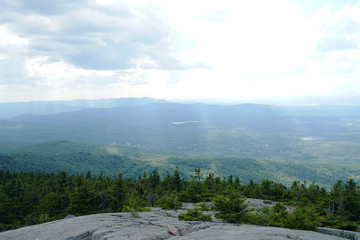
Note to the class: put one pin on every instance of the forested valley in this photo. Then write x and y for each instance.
(79, 157)
(31, 198)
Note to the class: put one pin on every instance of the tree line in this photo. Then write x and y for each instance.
(29, 198)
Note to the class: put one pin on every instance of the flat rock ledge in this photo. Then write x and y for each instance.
(340, 233)
(156, 224)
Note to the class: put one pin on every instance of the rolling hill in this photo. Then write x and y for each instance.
(79, 158)
(298, 133)
(315, 143)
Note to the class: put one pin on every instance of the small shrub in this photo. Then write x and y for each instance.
(171, 202)
(43, 218)
(194, 215)
(350, 226)
(204, 206)
(145, 209)
(135, 214)
(132, 211)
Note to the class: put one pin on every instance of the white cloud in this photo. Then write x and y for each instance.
(340, 28)
(96, 37)
(176, 49)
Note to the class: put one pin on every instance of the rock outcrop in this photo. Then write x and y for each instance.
(156, 224)
(340, 233)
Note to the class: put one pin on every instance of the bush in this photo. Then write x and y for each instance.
(231, 209)
(132, 210)
(194, 215)
(204, 206)
(304, 218)
(170, 202)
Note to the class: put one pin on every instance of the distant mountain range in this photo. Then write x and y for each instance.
(305, 133)
(50, 107)
(311, 134)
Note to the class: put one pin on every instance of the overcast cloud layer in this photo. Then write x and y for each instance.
(64, 49)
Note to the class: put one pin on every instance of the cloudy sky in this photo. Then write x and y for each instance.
(178, 49)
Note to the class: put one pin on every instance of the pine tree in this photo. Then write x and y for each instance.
(83, 201)
(176, 180)
(231, 208)
(118, 193)
(352, 200)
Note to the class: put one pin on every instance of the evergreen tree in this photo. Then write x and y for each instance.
(195, 191)
(336, 204)
(118, 193)
(154, 179)
(176, 180)
(231, 208)
(52, 204)
(352, 200)
(304, 218)
(83, 201)
(5, 208)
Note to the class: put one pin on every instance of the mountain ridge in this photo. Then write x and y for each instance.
(79, 158)
(323, 137)
(271, 132)
(12, 109)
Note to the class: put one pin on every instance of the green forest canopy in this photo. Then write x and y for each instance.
(30, 198)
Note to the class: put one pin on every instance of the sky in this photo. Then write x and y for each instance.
(178, 49)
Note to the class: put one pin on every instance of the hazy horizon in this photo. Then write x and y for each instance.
(344, 99)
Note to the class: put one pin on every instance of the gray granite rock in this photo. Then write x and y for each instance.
(254, 203)
(257, 204)
(250, 232)
(340, 233)
(156, 224)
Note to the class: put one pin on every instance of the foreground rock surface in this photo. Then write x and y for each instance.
(156, 224)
